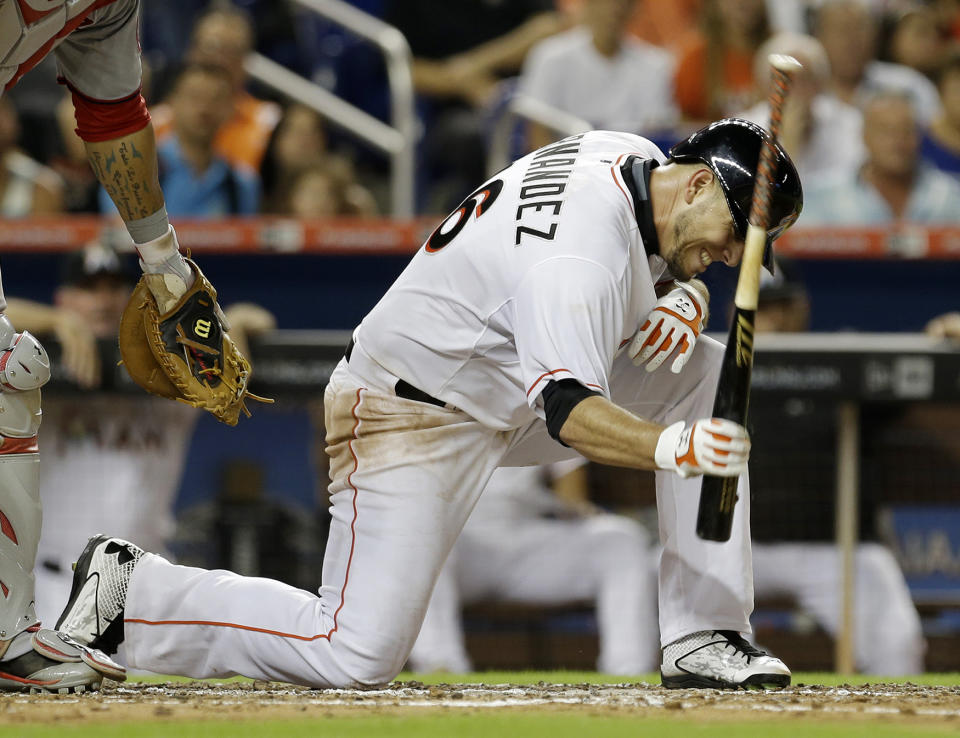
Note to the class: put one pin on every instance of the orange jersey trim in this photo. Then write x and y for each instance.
(547, 374)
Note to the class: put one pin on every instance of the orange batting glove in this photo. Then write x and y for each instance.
(710, 446)
(671, 329)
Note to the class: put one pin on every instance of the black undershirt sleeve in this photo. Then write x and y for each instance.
(559, 399)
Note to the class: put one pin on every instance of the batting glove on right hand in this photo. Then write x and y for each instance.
(671, 329)
(710, 446)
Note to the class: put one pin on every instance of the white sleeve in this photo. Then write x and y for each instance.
(569, 319)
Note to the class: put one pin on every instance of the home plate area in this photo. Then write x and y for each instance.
(193, 700)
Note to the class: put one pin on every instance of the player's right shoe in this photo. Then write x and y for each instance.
(720, 659)
(94, 613)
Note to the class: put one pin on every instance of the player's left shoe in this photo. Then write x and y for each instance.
(720, 659)
(50, 661)
(94, 613)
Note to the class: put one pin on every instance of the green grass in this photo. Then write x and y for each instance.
(501, 724)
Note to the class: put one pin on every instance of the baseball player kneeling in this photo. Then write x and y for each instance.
(509, 340)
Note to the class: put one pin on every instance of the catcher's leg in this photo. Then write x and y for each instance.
(31, 658)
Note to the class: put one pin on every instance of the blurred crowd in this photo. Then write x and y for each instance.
(873, 122)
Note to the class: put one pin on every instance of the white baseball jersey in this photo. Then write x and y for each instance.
(474, 320)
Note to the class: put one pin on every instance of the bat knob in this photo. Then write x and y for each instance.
(784, 63)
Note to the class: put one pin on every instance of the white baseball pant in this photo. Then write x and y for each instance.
(405, 477)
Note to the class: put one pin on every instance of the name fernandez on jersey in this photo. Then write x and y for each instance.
(544, 181)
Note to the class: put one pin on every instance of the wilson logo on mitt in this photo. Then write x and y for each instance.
(185, 355)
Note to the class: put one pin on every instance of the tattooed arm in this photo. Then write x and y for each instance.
(127, 169)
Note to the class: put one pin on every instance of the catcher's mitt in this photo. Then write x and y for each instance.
(185, 355)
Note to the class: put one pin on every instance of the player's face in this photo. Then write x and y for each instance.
(702, 233)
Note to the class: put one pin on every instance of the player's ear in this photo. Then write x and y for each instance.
(698, 183)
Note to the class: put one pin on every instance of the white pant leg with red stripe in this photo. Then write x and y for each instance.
(703, 585)
(405, 477)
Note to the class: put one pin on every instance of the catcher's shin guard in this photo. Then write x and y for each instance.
(19, 509)
(24, 368)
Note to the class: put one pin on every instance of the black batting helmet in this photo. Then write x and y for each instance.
(731, 148)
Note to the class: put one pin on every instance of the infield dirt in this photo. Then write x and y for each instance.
(193, 701)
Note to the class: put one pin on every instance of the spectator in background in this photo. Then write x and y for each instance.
(786, 562)
(298, 141)
(917, 40)
(714, 76)
(944, 326)
(666, 24)
(941, 141)
(224, 36)
(27, 187)
(196, 180)
(948, 16)
(525, 544)
(325, 190)
(823, 134)
(598, 73)
(848, 30)
(461, 52)
(894, 184)
(110, 459)
(298, 145)
(670, 24)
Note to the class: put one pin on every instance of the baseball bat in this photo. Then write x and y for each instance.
(718, 495)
